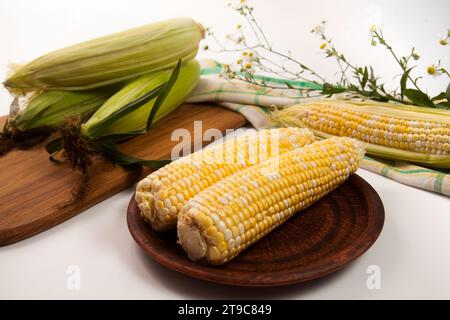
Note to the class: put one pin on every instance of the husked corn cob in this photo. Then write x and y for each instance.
(111, 59)
(162, 194)
(413, 134)
(224, 219)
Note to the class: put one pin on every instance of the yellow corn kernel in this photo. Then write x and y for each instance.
(308, 174)
(187, 175)
(407, 133)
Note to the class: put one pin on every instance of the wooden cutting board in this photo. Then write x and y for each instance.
(34, 191)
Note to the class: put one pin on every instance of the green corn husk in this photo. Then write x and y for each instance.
(165, 88)
(50, 108)
(34, 117)
(111, 59)
(136, 121)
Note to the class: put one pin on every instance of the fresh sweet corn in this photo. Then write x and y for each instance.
(111, 59)
(219, 222)
(136, 121)
(414, 134)
(50, 108)
(162, 194)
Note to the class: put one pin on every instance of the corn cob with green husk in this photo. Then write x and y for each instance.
(111, 59)
(129, 112)
(414, 134)
(33, 118)
(162, 194)
(221, 221)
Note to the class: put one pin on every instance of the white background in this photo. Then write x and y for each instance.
(413, 249)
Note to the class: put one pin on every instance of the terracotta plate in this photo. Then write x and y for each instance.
(315, 242)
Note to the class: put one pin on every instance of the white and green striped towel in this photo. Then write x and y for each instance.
(255, 103)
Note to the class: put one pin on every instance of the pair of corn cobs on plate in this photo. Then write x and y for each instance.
(226, 197)
(221, 207)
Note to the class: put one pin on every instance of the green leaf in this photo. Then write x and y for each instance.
(54, 146)
(330, 89)
(303, 66)
(109, 150)
(440, 96)
(364, 78)
(164, 92)
(403, 81)
(379, 98)
(419, 98)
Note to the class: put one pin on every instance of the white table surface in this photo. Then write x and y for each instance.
(412, 252)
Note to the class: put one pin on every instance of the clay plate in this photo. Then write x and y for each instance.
(315, 242)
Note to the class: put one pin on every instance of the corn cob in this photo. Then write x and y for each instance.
(135, 122)
(414, 134)
(221, 221)
(163, 193)
(112, 58)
